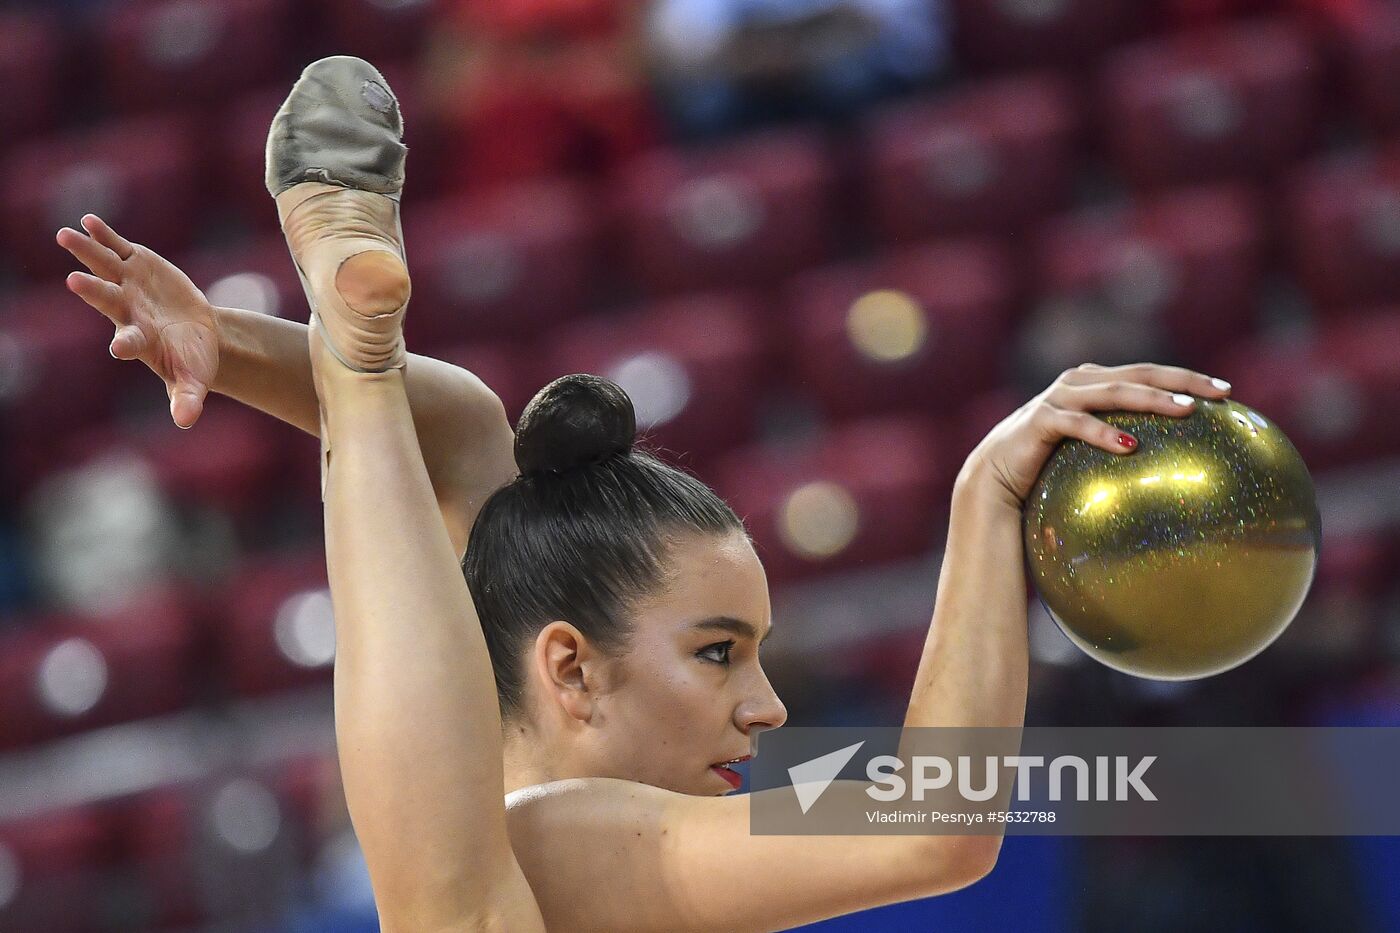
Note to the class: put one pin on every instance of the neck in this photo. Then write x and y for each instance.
(522, 767)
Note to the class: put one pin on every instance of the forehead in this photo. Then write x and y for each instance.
(711, 576)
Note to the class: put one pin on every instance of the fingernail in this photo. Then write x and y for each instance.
(1220, 384)
(1127, 440)
(1183, 400)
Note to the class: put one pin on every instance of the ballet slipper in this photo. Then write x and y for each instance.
(335, 165)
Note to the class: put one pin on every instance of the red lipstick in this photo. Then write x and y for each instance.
(734, 778)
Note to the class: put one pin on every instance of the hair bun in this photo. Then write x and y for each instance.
(572, 422)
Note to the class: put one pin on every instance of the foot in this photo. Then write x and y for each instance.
(335, 167)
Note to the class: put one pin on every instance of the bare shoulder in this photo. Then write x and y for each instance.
(604, 807)
(608, 854)
(600, 853)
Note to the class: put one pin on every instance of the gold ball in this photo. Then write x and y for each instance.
(1185, 558)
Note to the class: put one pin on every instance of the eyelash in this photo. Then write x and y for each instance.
(726, 645)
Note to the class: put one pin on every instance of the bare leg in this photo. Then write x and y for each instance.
(417, 720)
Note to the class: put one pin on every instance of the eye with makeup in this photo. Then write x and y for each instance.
(718, 653)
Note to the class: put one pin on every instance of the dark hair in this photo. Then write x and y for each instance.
(583, 533)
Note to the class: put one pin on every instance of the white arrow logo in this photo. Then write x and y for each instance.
(811, 778)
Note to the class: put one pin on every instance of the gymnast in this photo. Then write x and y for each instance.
(548, 641)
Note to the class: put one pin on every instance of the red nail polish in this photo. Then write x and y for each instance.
(1127, 441)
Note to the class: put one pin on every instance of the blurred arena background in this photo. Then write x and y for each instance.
(825, 244)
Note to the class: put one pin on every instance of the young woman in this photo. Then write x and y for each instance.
(599, 665)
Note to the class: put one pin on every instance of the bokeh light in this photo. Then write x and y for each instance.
(887, 325)
(819, 520)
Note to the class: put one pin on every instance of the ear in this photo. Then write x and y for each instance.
(563, 660)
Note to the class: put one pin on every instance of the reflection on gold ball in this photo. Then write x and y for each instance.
(1184, 558)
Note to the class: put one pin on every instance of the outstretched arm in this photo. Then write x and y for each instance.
(166, 322)
(688, 863)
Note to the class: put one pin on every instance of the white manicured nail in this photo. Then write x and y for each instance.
(1182, 399)
(1220, 384)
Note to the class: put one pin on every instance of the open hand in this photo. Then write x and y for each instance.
(1013, 453)
(162, 319)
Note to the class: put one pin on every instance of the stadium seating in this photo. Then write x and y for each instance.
(53, 871)
(857, 495)
(32, 67)
(1187, 264)
(1030, 33)
(65, 674)
(691, 366)
(509, 263)
(990, 159)
(153, 52)
(1344, 226)
(746, 213)
(275, 627)
(138, 174)
(1241, 100)
(924, 328)
(1331, 393)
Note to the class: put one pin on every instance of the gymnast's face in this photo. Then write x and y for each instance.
(688, 692)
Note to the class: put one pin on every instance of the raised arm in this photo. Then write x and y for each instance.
(686, 863)
(166, 322)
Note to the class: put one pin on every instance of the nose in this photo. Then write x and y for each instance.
(761, 709)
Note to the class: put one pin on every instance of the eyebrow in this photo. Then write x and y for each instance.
(734, 626)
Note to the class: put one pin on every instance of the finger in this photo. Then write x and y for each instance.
(100, 294)
(1125, 396)
(1172, 378)
(186, 400)
(108, 237)
(98, 258)
(1057, 423)
(129, 343)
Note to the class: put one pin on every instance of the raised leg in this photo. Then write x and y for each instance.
(417, 721)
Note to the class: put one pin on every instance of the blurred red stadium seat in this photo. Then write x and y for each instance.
(376, 29)
(309, 787)
(52, 871)
(1188, 262)
(157, 831)
(230, 459)
(1345, 229)
(1332, 394)
(989, 158)
(694, 367)
(222, 848)
(748, 213)
(856, 496)
(56, 377)
(276, 629)
(139, 175)
(509, 369)
(923, 328)
(31, 70)
(255, 274)
(525, 19)
(68, 674)
(1234, 101)
(977, 418)
(508, 263)
(1370, 55)
(1029, 33)
(156, 53)
(239, 148)
(560, 110)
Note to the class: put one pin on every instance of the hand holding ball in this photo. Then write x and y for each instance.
(1184, 558)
